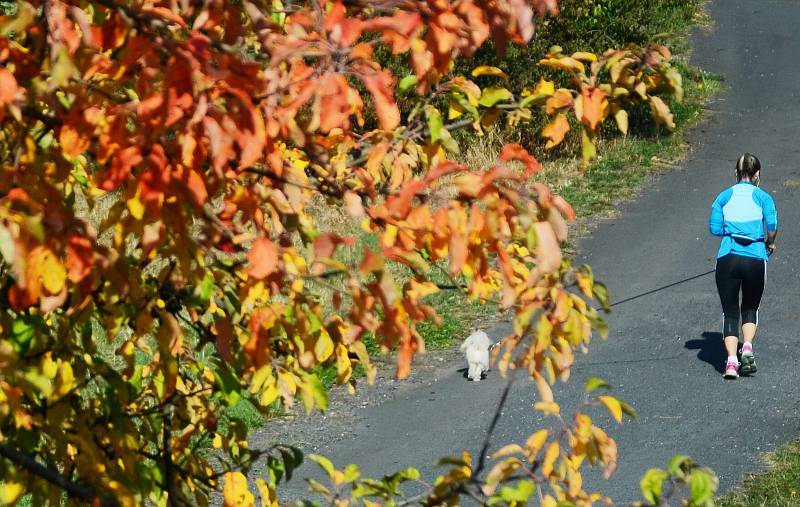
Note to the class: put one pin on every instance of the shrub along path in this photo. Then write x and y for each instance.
(664, 354)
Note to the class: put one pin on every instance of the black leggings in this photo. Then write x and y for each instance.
(735, 272)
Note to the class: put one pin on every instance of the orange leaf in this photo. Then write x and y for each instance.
(196, 187)
(262, 258)
(564, 207)
(381, 85)
(520, 154)
(8, 86)
(71, 141)
(408, 346)
(548, 254)
(555, 131)
(595, 107)
(559, 100)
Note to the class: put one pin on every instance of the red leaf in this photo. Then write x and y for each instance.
(325, 245)
(520, 154)
(400, 205)
(372, 262)
(164, 13)
(121, 166)
(79, 258)
(397, 30)
(262, 258)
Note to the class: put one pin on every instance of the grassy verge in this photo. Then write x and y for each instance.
(779, 487)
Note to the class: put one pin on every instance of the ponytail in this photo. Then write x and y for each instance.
(747, 166)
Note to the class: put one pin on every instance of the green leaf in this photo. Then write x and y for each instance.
(652, 485)
(520, 494)
(628, 409)
(702, 486)
(677, 465)
(207, 288)
(448, 143)
(407, 82)
(452, 460)
(228, 383)
(492, 95)
(595, 383)
(23, 333)
(435, 123)
(602, 296)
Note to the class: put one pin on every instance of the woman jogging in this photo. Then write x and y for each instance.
(745, 217)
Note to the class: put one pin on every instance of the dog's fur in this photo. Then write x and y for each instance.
(476, 347)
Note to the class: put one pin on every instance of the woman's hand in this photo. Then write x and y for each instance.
(771, 248)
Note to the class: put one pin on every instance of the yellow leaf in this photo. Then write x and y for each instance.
(323, 348)
(549, 501)
(621, 116)
(613, 405)
(51, 271)
(544, 87)
(217, 442)
(585, 56)
(269, 497)
(10, 492)
(545, 393)
(549, 408)
(235, 492)
(487, 70)
(269, 395)
(64, 380)
(536, 442)
(136, 207)
(507, 451)
(417, 290)
(661, 112)
(550, 456)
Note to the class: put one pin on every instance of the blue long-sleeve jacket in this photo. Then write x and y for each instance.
(743, 211)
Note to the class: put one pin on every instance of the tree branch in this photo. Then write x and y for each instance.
(53, 476)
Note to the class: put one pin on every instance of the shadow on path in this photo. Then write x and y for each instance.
(710, 350)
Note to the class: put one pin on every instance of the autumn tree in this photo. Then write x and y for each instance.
(160, 261)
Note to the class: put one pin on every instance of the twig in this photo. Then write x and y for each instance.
(490, 432)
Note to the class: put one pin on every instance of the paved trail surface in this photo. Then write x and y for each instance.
(664, 354)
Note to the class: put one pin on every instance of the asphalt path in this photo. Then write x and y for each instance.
(664, 354)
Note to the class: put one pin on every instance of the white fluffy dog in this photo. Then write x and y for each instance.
(476, 347)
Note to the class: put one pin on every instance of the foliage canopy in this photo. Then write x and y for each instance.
(160, 259)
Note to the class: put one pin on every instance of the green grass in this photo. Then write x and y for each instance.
(778, 487)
